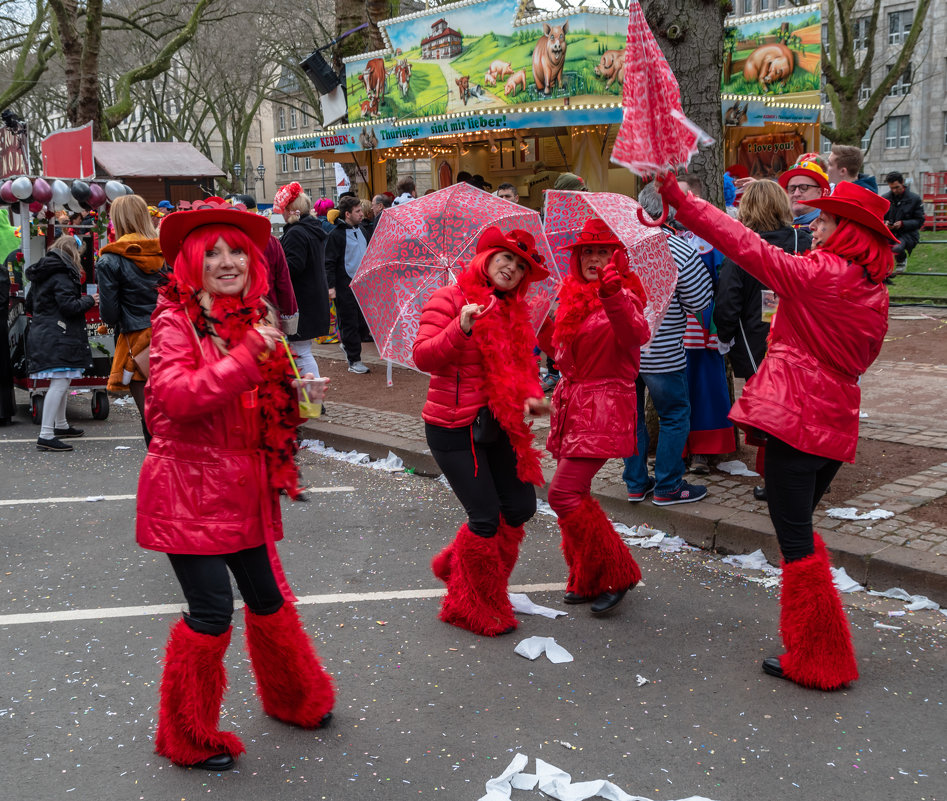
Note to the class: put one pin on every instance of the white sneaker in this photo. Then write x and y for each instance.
(358, 367)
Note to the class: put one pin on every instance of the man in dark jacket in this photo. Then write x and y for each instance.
(905, 216)
(345, 248)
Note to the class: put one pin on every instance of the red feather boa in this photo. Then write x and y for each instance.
(577, 300)
(227, 321)
(505, 340)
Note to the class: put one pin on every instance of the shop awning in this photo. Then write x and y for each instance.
(145, 159)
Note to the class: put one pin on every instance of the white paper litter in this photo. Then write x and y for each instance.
(851, 513)
(544, 508)
(896, 613)
(863, 415)
(750, 561)
(643, 536)
(123, 447)
(522, 603)
(534, 647)
(94, 498)
(640, 680)
(914, 602)
(886, 626)
(556, 783)
(735, 468)
(391, 463)
(122, 401)
(844, 582)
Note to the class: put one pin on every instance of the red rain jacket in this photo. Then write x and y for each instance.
(828, 329)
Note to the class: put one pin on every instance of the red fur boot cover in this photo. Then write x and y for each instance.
(441, 564)
(815, 632)
(600, 561)
(192, 686)
(290, 679)
(477, 598)
(508, 543)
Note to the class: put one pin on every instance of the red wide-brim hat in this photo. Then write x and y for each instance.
(519, 243)
(853, 202)
(176, 227)
(594, 232)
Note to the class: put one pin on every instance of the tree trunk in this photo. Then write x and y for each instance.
(690, 34)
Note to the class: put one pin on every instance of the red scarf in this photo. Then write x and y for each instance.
(505, 339)
(227, 320)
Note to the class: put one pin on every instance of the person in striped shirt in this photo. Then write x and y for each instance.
(664, 373)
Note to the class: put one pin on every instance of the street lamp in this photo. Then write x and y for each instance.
(261, 171)
(236, 172)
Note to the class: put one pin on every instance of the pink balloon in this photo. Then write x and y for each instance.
(6, 193)
(97, 195)
(42, 191)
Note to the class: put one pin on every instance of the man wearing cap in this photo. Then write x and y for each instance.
(166, 206)
(805, 180)
(570, 182)
(904, 216)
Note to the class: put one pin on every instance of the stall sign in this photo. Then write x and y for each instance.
(756, 114)
(12, 160)
(774, 54)
(769, 155)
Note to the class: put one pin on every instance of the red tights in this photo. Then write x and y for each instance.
(572, 482)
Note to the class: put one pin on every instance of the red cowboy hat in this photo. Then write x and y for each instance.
(855, 203)
(519, 243)
(176, 227)
(806, 169)
(594, 232)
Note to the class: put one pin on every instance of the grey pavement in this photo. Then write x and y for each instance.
(901, 403)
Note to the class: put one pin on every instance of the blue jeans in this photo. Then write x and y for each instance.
(672, 402)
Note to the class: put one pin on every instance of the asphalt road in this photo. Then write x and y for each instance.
(425, 709)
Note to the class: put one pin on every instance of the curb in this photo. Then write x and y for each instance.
(705, 525)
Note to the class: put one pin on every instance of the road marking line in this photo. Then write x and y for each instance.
(97, 498)
(87, 439)
(171, 609)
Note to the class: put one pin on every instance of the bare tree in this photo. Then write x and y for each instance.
(848, 57)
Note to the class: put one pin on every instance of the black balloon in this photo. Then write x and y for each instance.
(81, 191)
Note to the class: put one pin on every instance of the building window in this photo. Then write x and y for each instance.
(899, 26)
(898, 132)
(292, 117)
(903, 85)
(295, 163)
(305, 118)
(826, 145)
(284, 163)
(781, 3)
(281, 119)
(945, 127)
(860, 33)
(764, 5)
(308, 164)
(747, 6)
(864, 91)
(866, 140)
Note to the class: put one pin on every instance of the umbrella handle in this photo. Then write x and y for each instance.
(659, 221)
(490, 304)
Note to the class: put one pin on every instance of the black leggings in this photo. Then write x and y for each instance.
(206, 585)
(486, 488)
(795, 483)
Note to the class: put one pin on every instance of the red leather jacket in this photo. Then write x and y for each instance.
(594, 404)
(828, 329)
(202, 488)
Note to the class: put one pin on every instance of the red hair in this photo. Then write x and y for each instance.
(575, 261)
(853, 241)
(189, 264)
(478, 266)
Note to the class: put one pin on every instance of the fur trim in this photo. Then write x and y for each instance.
(477, 598)
(813, 625)
(600, 561)
(291, 682)
(509, 539)
(442, 563)
(192, 686)
(505, 339)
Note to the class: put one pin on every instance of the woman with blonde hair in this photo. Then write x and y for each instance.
(738, 305)
(57, 348)
(128, 270)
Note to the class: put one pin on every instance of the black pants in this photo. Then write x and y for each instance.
(206, 585)
(346, 307)
(795, 483)
(483, 477)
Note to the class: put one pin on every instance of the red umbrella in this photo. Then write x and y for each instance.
(648, 252)
(421, 246)
(655, 136)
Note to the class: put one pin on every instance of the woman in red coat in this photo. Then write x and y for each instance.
(599, 331)
(476, 341)
(829, 328)
(222, 409)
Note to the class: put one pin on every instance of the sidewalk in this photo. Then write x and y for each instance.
(897, 552)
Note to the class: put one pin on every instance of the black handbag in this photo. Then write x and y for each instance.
(485, 427)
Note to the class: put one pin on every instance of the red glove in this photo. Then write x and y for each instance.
(633, 284)
(669, 190)
(609, 281)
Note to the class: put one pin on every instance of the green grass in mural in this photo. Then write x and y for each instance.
(427, 94)
(800, 81)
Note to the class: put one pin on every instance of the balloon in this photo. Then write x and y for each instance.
(75, 205)
(97, 196)
(42, 191)
(22, 187)
(81, 191)
(35, 206)
(129, 190)
(61, 193)
(6, 192)
(114, 189)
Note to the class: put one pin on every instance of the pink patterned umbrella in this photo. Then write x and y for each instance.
(423, 245)
(655, 135)
(647, 248)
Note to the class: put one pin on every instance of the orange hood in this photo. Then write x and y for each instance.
(145, 254)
